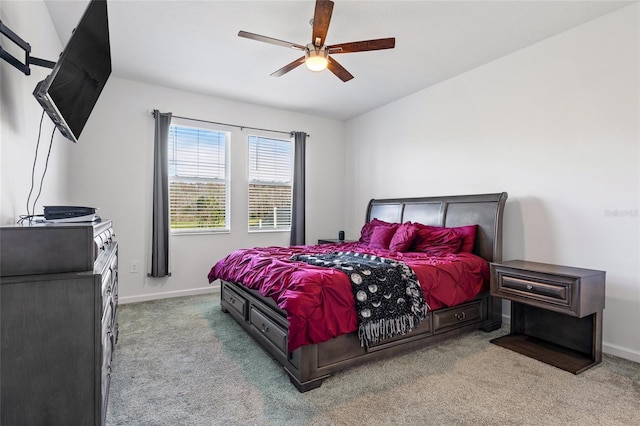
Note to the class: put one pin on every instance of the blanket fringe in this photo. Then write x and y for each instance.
(376, 331)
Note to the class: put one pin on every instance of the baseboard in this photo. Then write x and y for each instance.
(620, 351)
(506, 320)
(169, 294)
(607, 348)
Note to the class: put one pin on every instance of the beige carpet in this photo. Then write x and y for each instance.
(183, 362)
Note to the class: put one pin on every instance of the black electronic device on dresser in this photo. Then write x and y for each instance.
(58, 322)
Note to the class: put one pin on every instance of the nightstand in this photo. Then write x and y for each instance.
(556, 312)
(334, 241)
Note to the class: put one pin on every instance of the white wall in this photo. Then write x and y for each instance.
(111, 167)
(556, 125)
(20, 116)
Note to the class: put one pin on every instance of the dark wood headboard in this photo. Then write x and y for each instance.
(484, 210)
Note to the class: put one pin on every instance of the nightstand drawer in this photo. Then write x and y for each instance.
(573, 291)
(557, 291)
(553, 292)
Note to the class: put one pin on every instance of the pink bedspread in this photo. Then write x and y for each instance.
(319, 301)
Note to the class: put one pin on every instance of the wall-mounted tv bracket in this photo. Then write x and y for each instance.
(28, 59)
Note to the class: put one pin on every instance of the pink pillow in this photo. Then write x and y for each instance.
(403, 237)
(367, 229)
(437, 241)
(381, 236)
(468, 235)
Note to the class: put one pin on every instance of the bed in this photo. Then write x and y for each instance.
(307, 317)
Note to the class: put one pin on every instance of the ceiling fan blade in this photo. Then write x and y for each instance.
(270, 40)
(363, 46)
(288, 67)
(321, 20)
(339, 70)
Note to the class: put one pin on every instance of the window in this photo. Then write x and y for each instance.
(270, 184)
(198, 179)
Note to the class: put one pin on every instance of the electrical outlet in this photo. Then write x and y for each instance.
(134, 266)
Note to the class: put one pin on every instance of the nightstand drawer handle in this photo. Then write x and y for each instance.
(264, 328)
(460, 316)
(529, 286)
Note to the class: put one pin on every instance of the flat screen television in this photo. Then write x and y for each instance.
(70, 92)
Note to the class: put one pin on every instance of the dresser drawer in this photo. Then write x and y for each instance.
(107, 289)
(109, 284)
(107, 351)
(236, 303)
(269, 329)
(107, 357)
(468, 313)
(107, 340)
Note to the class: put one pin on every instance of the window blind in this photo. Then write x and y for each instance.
(270, 183)
(198, 179)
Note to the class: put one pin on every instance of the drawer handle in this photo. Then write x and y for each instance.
(233, 301)
(460, 316)
(529, 286)
(264, 328)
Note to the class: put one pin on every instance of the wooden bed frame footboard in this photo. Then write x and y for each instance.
(309, 365)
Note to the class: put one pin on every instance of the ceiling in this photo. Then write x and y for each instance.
(194, 46)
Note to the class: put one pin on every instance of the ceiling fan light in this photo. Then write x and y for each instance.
(316, 63)
(316, 59)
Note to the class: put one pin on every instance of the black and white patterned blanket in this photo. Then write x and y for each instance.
(389, 299)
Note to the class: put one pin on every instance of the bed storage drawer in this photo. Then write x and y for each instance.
(422, 330)
(236, 303)
(268, 329)
(446, 319)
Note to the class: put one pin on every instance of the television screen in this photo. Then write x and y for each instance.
(70, 92)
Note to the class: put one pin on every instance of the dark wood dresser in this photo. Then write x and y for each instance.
(58, 322)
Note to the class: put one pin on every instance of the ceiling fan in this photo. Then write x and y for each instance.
(316, 54)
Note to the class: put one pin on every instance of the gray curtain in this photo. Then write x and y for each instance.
(160, 222)
(297, 207)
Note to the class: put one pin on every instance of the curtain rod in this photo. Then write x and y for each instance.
(233, 125)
